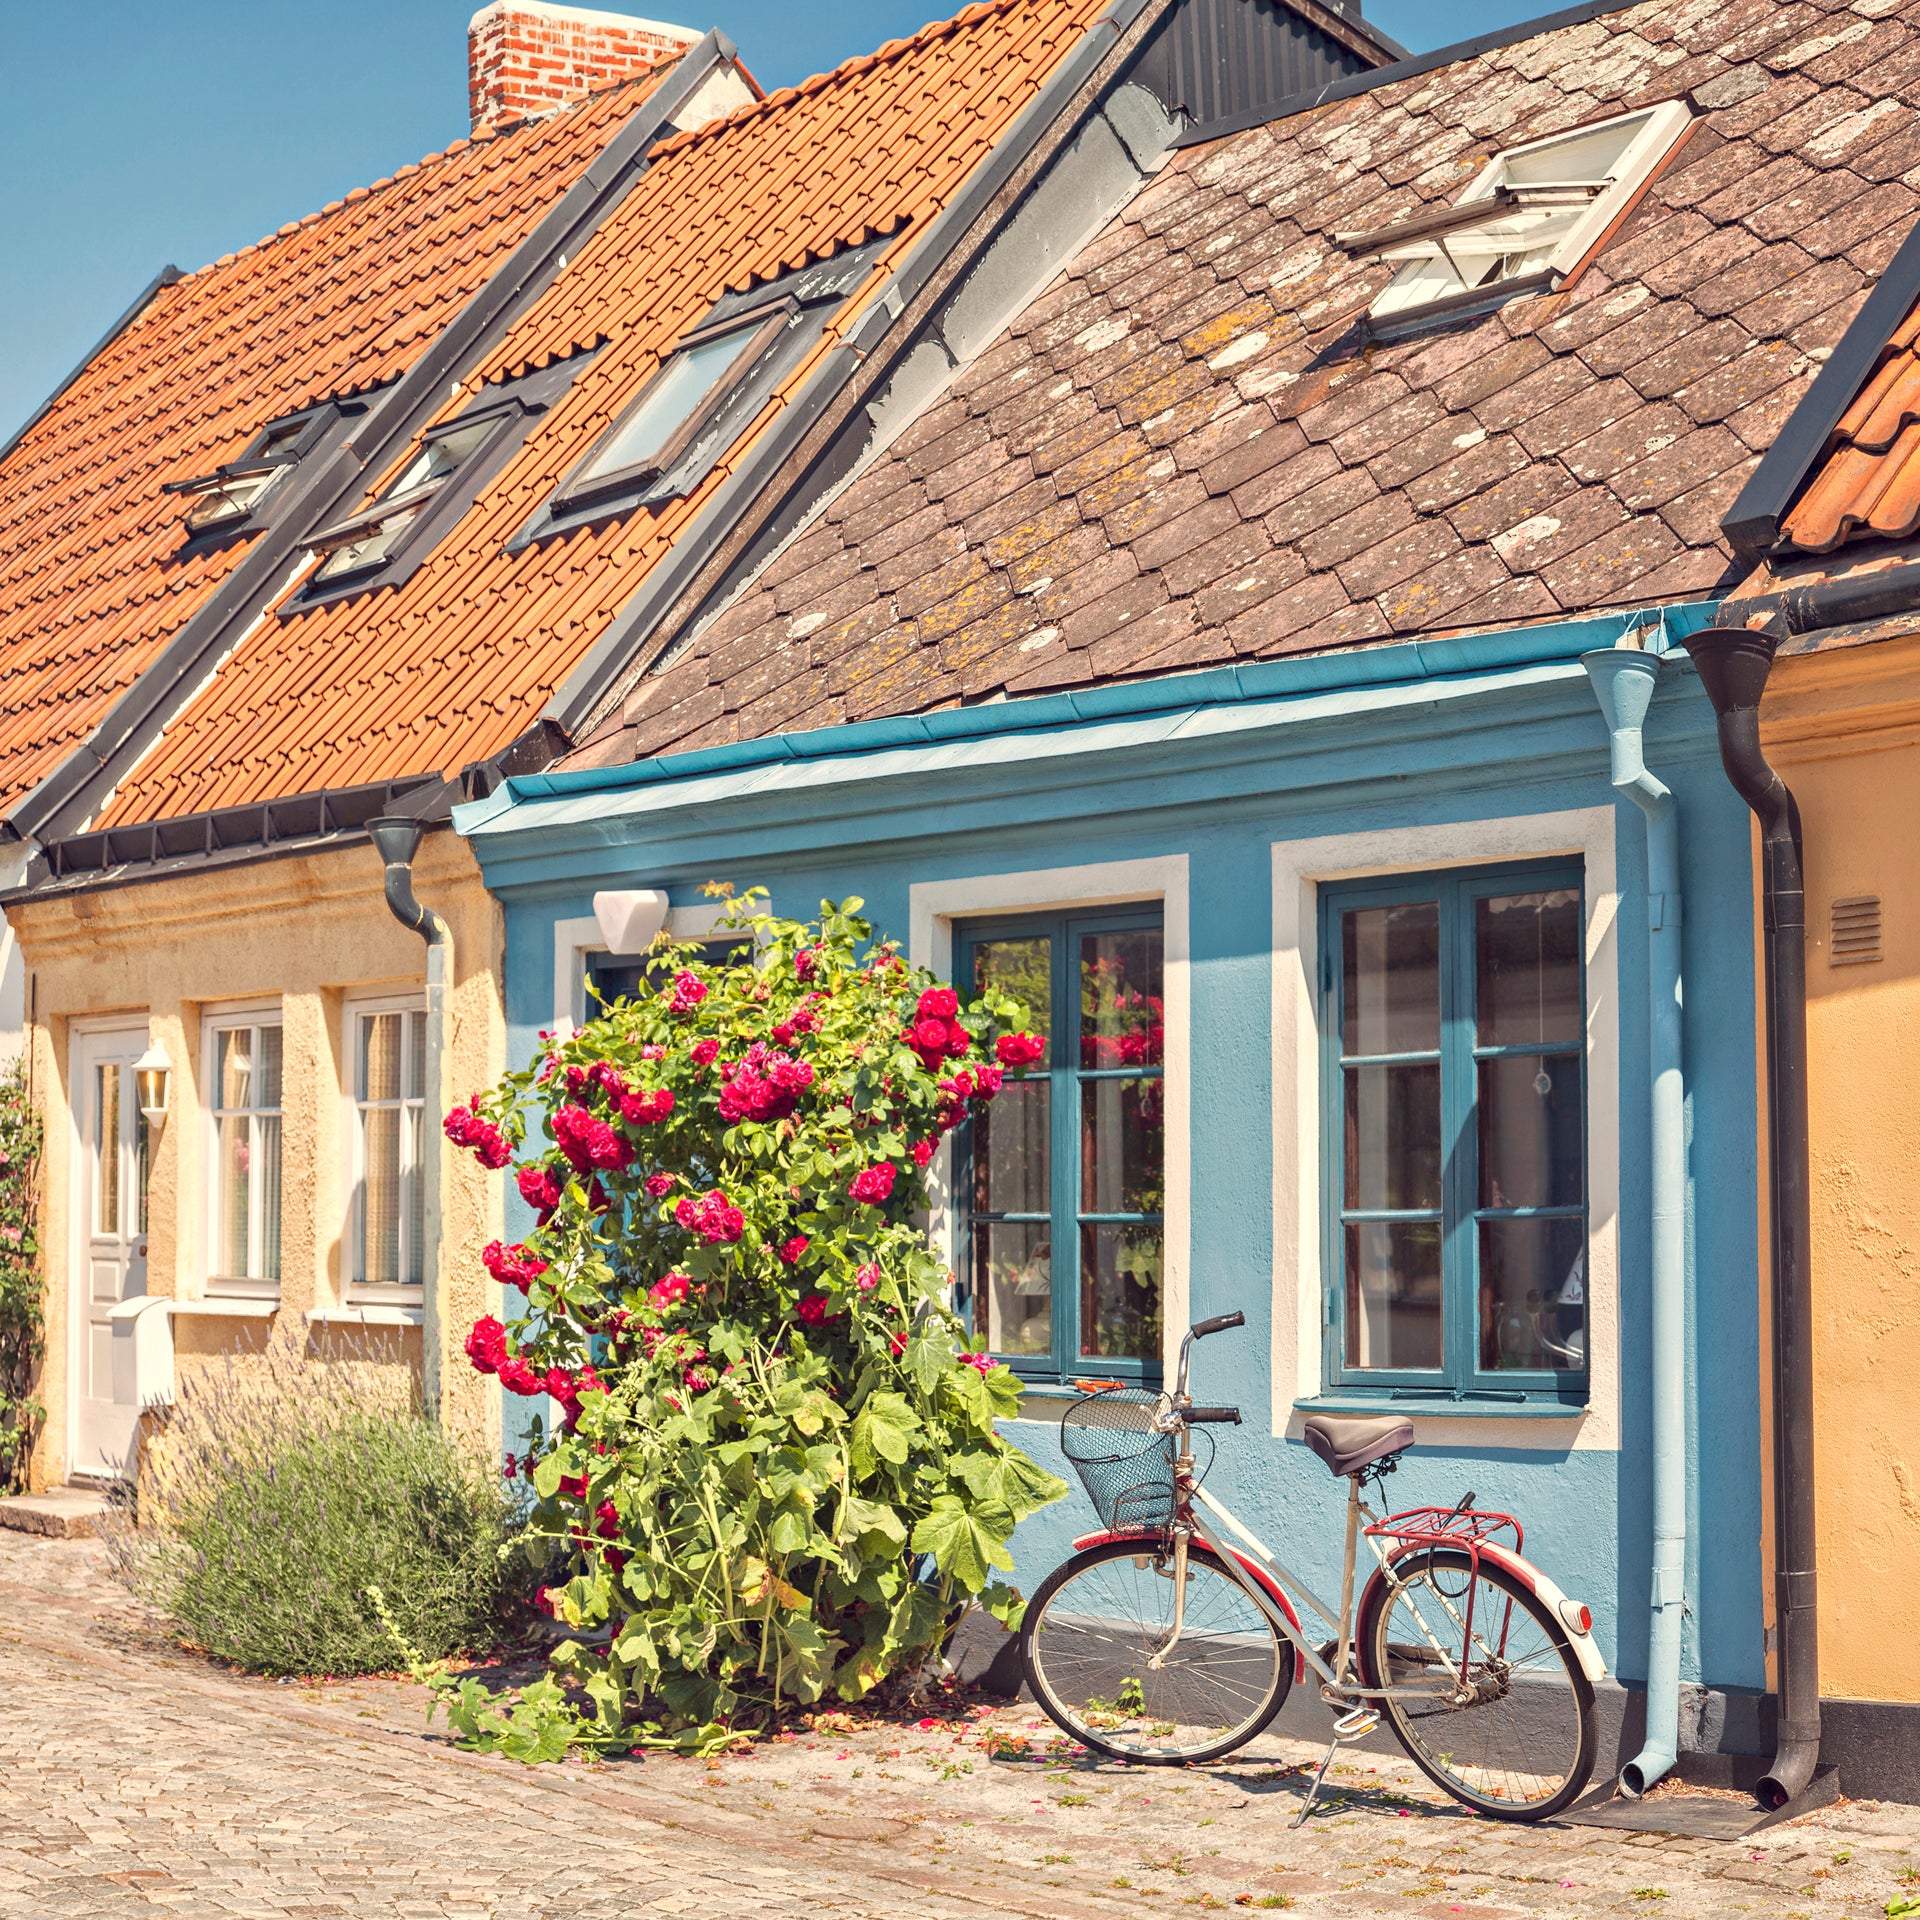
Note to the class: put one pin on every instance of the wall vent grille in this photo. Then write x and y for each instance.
(1856, 931)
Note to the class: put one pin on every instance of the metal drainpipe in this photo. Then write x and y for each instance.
(396, 839)
(1734, 662)
(1623, 682)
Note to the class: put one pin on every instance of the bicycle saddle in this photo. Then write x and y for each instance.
(1347, 1445)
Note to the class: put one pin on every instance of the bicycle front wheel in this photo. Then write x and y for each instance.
(1489, 1702)
(1096, 1646)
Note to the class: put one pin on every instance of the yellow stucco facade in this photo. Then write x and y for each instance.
(1843, 726)
(303, 938)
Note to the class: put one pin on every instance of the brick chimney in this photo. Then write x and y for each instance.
(525, 57)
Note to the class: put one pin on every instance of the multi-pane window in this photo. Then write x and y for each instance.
(246, 1151)
(1060, 1179)
(1456, 1108)
(389, 1082)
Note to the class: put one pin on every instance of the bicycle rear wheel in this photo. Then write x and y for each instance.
(1094, 1627)
(1500, 1717)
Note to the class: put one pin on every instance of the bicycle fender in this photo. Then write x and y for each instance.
(1247, 1566)
(1529, 1576)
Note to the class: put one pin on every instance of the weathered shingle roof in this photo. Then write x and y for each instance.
(456, 663)
(93, 582)
(1187, 452)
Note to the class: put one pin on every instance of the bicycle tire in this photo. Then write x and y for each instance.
(1540, 1746)
(1083, 1693)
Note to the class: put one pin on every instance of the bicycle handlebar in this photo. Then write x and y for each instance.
(1211, 1416)
(1218, 1324)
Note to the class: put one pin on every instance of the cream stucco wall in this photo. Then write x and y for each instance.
(1844, 728)
(308, 934)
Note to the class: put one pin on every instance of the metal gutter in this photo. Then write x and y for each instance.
(1408, 69)
(1752, 523)
(1404, 661)
(60, 804)
(164, 278)
(936, 260)
(1623, 680)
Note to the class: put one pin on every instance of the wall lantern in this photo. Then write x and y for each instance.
(629, 920)
(153, 1082)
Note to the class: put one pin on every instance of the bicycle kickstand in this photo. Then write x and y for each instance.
(1353, 1725)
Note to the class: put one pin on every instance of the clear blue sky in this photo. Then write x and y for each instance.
(138, 132)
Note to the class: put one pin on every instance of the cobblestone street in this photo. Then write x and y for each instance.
(139, 1780)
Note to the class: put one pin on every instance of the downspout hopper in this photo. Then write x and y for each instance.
(1734, 662)
(1623, 681)
(396, 839)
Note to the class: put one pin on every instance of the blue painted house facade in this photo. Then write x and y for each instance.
(1201, 655)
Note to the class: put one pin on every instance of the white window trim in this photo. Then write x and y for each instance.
(1646, 153)
(1300, 867)
(354, 1292)
(934, 906)
(214, 1021)
(575, 942)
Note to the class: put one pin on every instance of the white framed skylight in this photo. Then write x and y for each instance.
(1527, 220)
(351, 546)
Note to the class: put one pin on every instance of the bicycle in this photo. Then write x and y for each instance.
(1161, 1642)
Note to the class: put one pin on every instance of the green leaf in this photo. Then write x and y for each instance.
(961, 1544)
(546, 1476)
(1005, 1604)
(883, 1430)
(876, 1529)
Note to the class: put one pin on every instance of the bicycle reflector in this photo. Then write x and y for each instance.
(1578, 1616)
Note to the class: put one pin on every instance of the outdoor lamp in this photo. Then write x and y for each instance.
(153, 1081)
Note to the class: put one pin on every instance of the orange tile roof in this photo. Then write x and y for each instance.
(92, 581)
(454, 664)
(1868, 486)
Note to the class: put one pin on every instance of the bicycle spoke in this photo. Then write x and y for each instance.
(1095, 1639)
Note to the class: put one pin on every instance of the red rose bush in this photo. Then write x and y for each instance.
(776, 1472)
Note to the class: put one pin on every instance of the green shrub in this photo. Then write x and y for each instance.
(282, 1489)
(22, 1320)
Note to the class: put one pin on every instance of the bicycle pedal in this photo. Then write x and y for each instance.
(1356, 1725)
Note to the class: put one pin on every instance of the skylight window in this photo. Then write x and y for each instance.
(370, 536)
(1529, 220)
(682, 397)
(226, 498)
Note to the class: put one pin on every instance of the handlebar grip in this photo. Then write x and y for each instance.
(1218, 1324)
(1212, 1416)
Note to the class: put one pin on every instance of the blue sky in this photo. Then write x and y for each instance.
(135, 133)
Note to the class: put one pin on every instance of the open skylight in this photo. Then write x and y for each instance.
(1529, 219)
(226, 497)
(368, 537)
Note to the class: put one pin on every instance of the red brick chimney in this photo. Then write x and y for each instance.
(525, 57)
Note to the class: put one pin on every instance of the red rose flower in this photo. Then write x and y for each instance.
(518, 1377)
(813, 1310)
(791, 1250)
(538, 1188)
(922, 1152)
(713, 1217)
(487, 1345)
(1019, 1049)
(589, 1142)
(644, 1109)
(703, 1053)
(688, 991)
(873, 1184)
(512, 1266)
(670, 1291)
(939, 1003)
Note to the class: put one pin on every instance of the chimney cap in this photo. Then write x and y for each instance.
(586, 17)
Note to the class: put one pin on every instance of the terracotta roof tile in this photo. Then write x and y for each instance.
(92, 580)
(1191, 416)
(453, 665)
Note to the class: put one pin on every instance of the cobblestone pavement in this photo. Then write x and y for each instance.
(137, 1780)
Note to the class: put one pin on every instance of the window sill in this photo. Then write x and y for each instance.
(368, 1315)
(1443, 1406)
(237, 1306)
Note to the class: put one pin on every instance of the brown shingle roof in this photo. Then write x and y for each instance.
(456, 663)
(92, 579)
(1187, 453)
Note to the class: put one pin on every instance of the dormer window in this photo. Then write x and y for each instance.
(226, 498)
(710, 384)
(1530, 219)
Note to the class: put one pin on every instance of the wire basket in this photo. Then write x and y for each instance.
(1126, 1468)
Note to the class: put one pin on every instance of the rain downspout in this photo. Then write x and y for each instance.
(1734, 662)
(1623, 680)
(396, 839)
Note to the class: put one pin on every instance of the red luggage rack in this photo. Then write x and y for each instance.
(1449, 1527)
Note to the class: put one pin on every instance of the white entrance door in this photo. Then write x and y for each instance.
(112, 1267)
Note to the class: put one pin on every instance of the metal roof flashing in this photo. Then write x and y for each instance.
(1409, 663)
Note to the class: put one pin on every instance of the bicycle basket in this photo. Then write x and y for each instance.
(1126, 1468)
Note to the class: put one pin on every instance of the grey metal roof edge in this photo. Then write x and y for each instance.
(636, 625)
(1752, 523)
(55, 805)
(141, 301)
(1410, 68)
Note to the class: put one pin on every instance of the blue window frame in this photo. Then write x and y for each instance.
(1454, 1103)
(1059, 1184)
